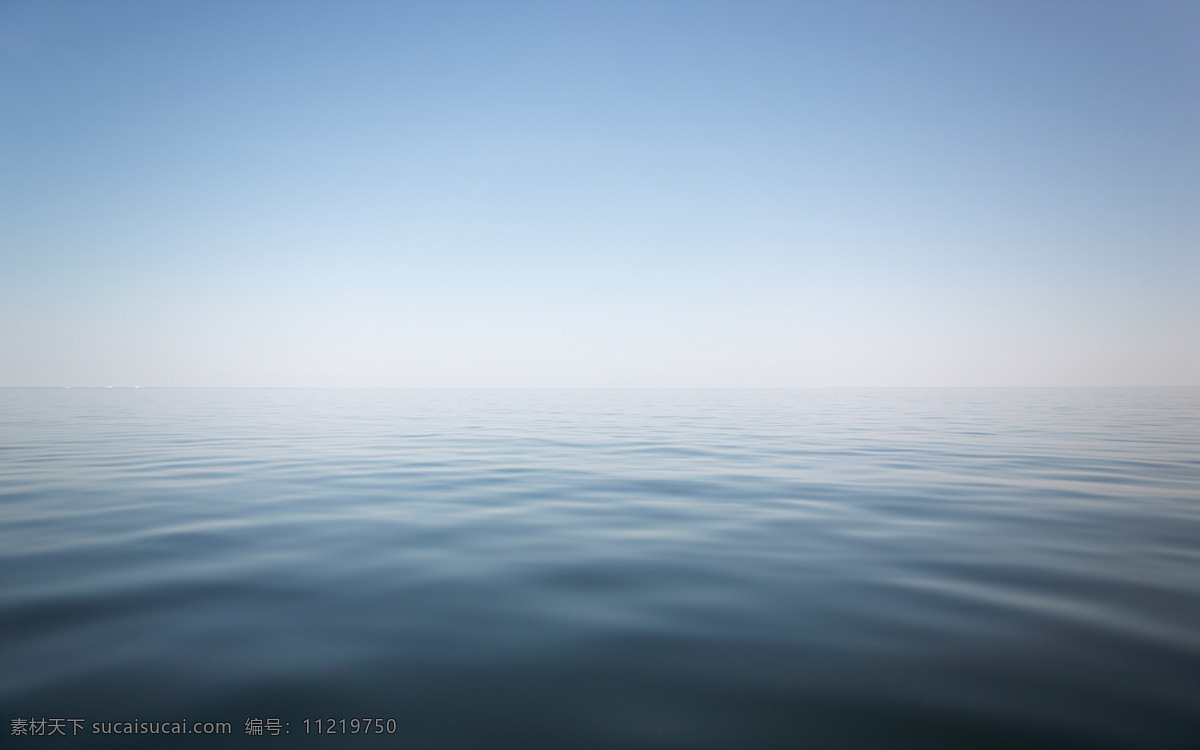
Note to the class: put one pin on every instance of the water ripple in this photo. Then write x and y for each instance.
(909, 568)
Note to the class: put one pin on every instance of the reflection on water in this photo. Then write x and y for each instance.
(573, 569)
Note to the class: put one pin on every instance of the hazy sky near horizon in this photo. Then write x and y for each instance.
(599, 193)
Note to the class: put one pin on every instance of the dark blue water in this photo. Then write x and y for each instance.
(603, 569)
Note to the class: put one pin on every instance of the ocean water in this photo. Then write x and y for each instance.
(601, 569)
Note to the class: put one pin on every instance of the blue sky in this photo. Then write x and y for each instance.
(599, 194)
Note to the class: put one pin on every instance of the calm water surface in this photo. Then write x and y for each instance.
(605, 569)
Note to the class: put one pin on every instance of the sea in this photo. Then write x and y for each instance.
(742, 569)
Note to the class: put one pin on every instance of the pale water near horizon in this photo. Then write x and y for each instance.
(603, 569)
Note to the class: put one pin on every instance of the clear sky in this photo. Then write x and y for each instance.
(616, 193)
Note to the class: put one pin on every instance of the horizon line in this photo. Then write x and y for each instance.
(586, 387)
